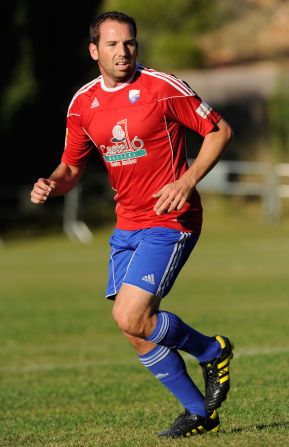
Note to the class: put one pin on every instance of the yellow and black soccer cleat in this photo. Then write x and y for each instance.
(187, 425)
(216, 375)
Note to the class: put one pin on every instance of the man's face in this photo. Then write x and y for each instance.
(115, 53)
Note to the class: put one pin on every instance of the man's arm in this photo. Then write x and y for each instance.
(174, 195)
(61, 181)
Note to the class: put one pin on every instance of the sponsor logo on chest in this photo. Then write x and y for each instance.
(123, 150)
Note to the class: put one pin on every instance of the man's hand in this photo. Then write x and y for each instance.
(42, 190)
(172, 196)
(60, 182)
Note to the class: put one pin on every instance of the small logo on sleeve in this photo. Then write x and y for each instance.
(66, 136)
(204, 109)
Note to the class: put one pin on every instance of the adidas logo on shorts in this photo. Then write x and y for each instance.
(149, 278)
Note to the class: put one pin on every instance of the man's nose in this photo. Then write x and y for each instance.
(123, 50)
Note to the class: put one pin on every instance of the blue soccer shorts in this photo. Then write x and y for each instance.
(150, 259)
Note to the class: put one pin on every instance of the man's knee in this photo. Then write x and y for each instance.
(120, 318)
(127, 322)
(134, 311)
(132, 323)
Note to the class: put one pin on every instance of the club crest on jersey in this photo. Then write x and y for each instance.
(133, 96)
(123, 150)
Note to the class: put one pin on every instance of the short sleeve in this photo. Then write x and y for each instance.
(181, 104)
(192, 112)
(77, 143)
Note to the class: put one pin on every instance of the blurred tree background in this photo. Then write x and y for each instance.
(45, 60)
(169, 30)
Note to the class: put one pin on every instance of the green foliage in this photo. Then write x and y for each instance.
(170, 53)
(278, 109)
(22, 85)
(168, 30)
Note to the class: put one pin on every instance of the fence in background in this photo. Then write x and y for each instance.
(255, 179)
(269, 182)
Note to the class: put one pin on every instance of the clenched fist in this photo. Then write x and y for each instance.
(42, 190)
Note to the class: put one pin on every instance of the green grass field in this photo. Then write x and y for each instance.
(69, 378)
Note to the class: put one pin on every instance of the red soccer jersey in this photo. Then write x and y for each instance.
(139, 130)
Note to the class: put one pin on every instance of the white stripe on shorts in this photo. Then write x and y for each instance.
(173, 262)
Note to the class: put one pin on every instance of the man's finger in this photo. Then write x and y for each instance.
(174, 204)
(52, 184)
(161, 206)
(181, 204)
(37, 198)
(157, 194)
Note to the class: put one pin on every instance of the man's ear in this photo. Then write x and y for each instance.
(93, 51)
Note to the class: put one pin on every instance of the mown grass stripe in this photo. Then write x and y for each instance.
(82, 365)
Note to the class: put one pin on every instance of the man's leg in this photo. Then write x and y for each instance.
(213, 353)
(135, 313)
(143, 267)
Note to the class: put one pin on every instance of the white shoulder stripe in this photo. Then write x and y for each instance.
(84, 89)
(177, 83)
(169, 97)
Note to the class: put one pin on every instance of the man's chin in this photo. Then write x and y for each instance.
(124, 74)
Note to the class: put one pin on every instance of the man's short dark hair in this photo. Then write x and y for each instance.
(110, 15)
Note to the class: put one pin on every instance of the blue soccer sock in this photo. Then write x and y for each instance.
(168, 366)
(172, 332)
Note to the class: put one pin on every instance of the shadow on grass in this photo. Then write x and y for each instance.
(261, 427)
